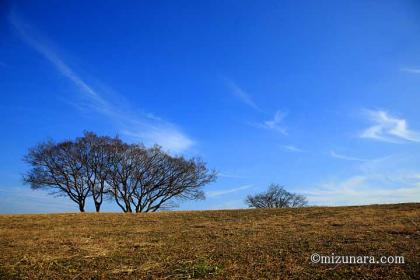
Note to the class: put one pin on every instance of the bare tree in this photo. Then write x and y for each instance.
(137, 178)
(58, 167)
(96, 154)
(120, 175)
(298, 200)
(276, 197)
(148, 179)
(176, 178)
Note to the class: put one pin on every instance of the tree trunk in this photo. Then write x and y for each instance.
(128, 206)
(97, 207)
(81, 208)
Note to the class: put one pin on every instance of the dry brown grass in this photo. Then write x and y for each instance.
(236, 244)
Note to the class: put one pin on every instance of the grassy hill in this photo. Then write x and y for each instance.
(235, 244)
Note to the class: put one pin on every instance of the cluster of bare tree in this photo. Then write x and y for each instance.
(137, 178)
(276, 197)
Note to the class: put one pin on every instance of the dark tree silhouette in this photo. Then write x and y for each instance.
(96, 154)
(148, 179)
(58, 167)
(276, 197)
(137, 178)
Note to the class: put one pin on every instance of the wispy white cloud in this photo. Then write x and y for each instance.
(385, 180)
(227, 191)
(345, 157)
(411, 70)
(230, 175)
(139, 127)
(242, 95)
(228, 204)
(292, 148)
(15, 200)
(276, 123)
(388, 128)
(344, 187)
(166, 135)
(361, 190)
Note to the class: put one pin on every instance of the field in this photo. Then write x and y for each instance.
(231, 244)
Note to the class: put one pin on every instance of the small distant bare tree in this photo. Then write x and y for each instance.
(58, 167)
(276, 197)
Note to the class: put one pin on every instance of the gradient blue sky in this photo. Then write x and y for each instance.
(320, 96)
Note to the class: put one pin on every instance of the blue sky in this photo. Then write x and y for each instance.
(320, 96)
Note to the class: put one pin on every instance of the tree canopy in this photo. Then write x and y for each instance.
(137, 178)
(276, 197)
